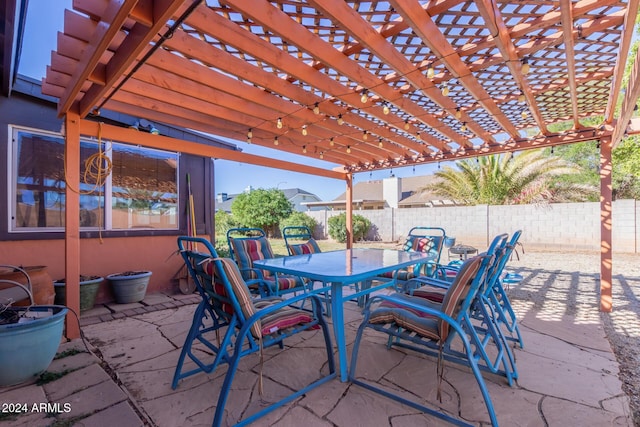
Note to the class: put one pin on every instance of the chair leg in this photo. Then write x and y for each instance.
(186, 347)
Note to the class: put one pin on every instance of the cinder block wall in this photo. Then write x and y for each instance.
(559, 226)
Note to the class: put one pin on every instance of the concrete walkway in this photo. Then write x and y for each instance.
(568, 377)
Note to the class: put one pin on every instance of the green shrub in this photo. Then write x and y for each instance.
(222, 247)
(299, 219)
(223, 222)
(338, 227)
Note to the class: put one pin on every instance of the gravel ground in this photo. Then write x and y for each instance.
(572, 281)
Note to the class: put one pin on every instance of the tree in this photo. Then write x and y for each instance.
(509, 179)
(261, 208)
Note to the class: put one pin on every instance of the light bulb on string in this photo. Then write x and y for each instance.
(275, 141)
(524, 114)
(322, 154)
(430, 71)
(406, 124)
(316, 109)
(463, 128)
(348, 149)
(364, 135)
(418, 136)
(445, 90)
(364, 98)
(304, 130)
(340, 120)
(380, 144)
(525, 66)
(279, 123)
(304, 148)
(331, 143)
(249, 135)
(385, 109)
(458, 113)
(521, 97)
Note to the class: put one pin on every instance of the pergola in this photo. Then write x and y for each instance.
(364, 85)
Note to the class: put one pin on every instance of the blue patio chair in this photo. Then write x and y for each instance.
(247, 245)
(249, 324)
(429, 328)
(487, 338)
(419, 239)
(299, 240)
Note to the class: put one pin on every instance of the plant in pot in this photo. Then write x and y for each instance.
(89, 286)
(29, 337)
(129, 286)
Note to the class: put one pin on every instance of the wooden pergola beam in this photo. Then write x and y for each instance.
(567, 30)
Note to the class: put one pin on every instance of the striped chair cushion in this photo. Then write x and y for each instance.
(424, 324)
(278, 320)
(309, 247)
(403, 274)
(284, 282)
(431, 293)
(248, 250)
(416, 321)
(419, 244)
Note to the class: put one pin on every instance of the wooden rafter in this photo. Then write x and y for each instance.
(567, 29)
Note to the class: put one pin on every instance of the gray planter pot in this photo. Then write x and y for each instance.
(130, 286)
(89, 286)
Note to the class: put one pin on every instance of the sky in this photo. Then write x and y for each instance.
(45, 18)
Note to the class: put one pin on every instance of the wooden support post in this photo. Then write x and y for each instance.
(349, 210)
(606, 211)
(72, 222)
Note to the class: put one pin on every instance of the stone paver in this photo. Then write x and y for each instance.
(120, 414)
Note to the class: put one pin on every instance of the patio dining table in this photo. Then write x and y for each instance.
(343, 268)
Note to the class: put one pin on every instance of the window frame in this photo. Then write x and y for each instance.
(107, 196)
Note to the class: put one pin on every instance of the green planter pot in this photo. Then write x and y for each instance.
(89, 286)
(27, 349)
(130, 286)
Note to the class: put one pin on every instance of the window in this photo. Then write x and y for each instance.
(140, 193)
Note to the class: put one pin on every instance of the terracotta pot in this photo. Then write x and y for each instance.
(41, 284)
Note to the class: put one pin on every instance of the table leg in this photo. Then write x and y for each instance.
(337, 307)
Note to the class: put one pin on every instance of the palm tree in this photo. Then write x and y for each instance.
(509, 179)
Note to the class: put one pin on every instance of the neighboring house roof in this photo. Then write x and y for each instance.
(371, 194)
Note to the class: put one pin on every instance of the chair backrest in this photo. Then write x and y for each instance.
(201, 269)
(462, 291)
(500, 249)
(247, 245)
(425, 239)
(299, 240)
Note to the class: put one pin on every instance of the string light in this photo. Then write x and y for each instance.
(430, 71)
(463, 128)
(385, 109)
(331, 143)
(304, 130)
(364, 98)
(418, 136)
(275, 141)
(458, 113)
(445, 89)
(521, 97)
(348, 149)
(249, 135)
(304, 148)
(279, 123)
(380, 144)
(524, 114)
(406, 124)
(316, 109)
(322, 154)
(340, 120)
(525, 66)
(364, 135)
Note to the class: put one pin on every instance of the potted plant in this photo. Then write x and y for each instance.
(129, 286)
(29, 337)
(89, 286)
